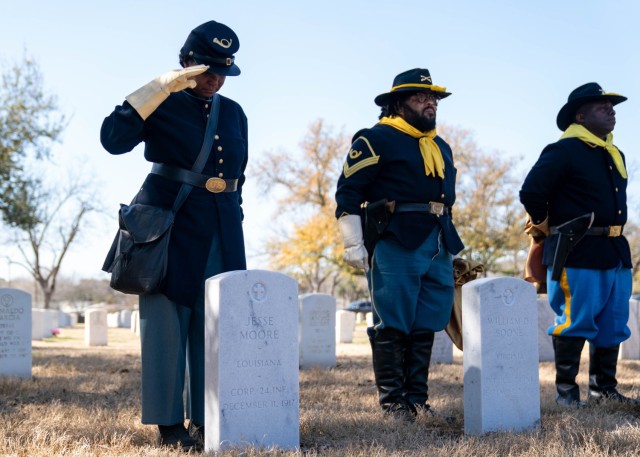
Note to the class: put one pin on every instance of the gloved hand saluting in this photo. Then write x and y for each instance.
(147, 99)
(355, 254)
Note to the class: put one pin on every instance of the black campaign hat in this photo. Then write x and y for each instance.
(587, 93)
(213, 44)
(414, 80)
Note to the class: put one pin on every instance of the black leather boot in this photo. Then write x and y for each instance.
(176, 436)
(567, 357)
(416, 365)
(603, 362)
(196, 432)
(388, 347)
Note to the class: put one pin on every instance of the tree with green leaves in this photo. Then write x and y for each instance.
(42, 211)
(30, 121)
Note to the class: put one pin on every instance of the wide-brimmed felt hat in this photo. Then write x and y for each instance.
(213, 44)
(416, 80)
(587, 93)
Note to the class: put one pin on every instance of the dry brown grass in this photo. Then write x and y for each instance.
(85, 402)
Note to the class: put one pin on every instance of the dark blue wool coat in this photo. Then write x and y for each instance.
(570, 179)
(173, 135)
(383, 163)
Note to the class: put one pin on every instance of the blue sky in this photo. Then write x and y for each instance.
(509, 64)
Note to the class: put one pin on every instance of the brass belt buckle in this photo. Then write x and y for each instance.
(615, 230)
(215, 185)
(436, 208)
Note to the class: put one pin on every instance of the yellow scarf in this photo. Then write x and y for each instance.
(581, 133)
(431, 155)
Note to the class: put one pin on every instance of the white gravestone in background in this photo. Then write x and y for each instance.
(95, 328)
(317, 332)
(124, 319)
(15, 333)
(113, 320)
(345, 326)
(546, 318)
(630, 349)
(251, 361)
(135, 322)
(500, 358)
(442, 351)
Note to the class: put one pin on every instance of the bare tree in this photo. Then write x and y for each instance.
(57, 214)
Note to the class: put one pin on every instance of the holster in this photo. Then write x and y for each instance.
(376, 219)
(569, 234)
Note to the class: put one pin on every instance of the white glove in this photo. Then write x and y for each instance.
(355, 254)
(147, 99)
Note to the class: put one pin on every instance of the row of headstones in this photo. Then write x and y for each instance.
(254, 344)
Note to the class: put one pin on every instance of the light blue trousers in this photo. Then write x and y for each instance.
(411, 290)
(591, 304)
(172, 344)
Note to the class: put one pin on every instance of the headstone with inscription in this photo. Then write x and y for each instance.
(95, 328)
(251, 361)
(345, 326)
(15, 333)
(500, 358)
(630, 349)
(546, 318)
(442, 350)
(317, 331)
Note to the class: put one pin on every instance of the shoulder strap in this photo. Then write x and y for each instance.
(203, 156)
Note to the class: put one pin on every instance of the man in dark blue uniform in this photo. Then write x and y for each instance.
(170, 116)
(404, 174)
(584, 174)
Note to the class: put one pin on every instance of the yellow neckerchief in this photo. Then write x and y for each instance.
(581, 133)
(431, 155)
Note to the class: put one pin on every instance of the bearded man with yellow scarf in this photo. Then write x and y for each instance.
(584, 173)
(403, 167)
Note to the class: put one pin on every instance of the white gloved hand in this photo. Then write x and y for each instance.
(355, 254)
(147, 99)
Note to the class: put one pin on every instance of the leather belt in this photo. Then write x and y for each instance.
(212, 184)
(611, 231)
(432, 207)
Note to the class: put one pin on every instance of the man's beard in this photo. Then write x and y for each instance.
(418, 120)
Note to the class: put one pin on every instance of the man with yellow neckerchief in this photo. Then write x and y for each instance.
(401, 166)
(584, 173)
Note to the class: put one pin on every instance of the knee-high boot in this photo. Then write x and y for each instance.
(602, 375)
(416, 364)
(388, 349)
(567, 358)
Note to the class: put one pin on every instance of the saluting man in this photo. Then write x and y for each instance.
(584, 173)
(404, 173)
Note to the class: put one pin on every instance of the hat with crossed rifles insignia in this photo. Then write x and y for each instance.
(416, 80)
(213, 44)
(587, 93)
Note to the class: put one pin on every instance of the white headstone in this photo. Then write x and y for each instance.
(442, 351)
(125, 319)
(345, 326)
(15, 333)
(251, 361)
(546, 318)
(135, 322)
(369, 319)
(95, 328)
(38, 324)
(500, 358)
(113, 320)
(317, 331)
(630, 349)
(64, 319)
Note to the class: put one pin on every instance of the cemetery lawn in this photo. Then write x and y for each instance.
(84, 401)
